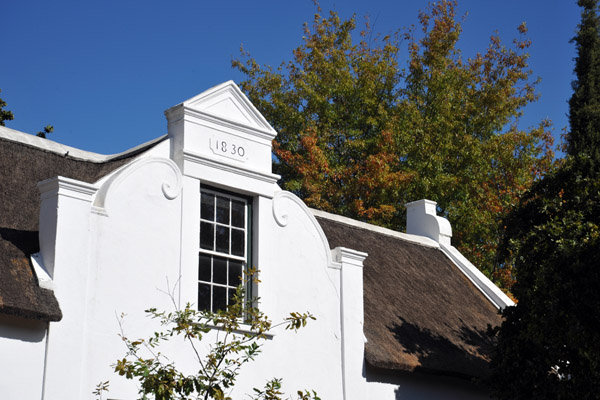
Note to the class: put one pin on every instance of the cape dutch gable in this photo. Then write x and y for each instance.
(84, 236)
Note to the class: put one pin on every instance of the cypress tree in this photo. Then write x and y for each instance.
(584, 106)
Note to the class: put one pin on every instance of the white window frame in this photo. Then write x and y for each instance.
(245, 260)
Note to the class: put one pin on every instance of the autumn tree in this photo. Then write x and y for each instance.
(361, 134)
(549, 344)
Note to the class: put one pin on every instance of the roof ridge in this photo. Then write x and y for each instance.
(422, 240)
(51, 146)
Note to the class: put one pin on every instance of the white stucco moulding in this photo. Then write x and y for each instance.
(180, 111)
(66, 187)
(251, 182)
(344, 255)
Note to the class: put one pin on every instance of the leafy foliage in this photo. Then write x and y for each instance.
(47, 130)
(5, 115)
(359, 135)
(218, 368)
(549, 344)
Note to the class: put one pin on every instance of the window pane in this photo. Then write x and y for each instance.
(237, 213)
(207, 206)
(235, 273)
(219, 298)
(207, 236)
(220, 270)
(204, 271)
(237, 242)
(203, 297)
(223, 210)
(222, 239)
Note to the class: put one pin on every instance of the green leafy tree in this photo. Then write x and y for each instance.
(219, 367)
(47, 130)
(549, 343)
(361, 135)
(5, 115)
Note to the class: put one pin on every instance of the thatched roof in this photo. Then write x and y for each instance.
(421, 312)
(24, 161)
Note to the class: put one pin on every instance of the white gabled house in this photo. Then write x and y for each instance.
(85, 237)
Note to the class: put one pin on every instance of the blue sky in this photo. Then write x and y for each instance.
(103, 72)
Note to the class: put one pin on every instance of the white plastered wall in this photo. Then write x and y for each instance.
(22, 348)
(135, 262)
(116, 248)
(297, 274)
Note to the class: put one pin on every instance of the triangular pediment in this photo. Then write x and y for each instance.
(229, 103)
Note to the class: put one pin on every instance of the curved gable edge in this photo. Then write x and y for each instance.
(281, 217)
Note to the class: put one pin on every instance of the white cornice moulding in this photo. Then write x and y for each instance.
(345, 255)
(178, 113)
(225, 103)
(62, 186)
(238, 170)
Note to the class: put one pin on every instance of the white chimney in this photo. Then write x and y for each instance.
(421, 219)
